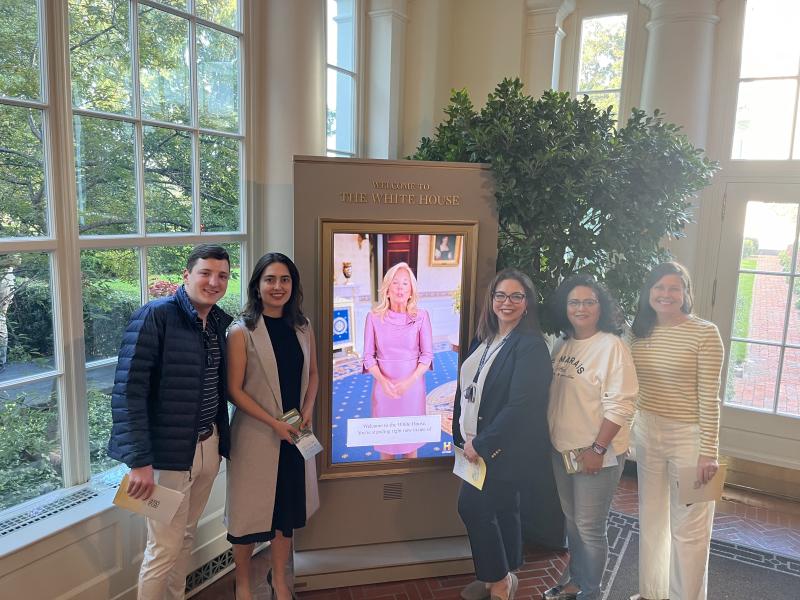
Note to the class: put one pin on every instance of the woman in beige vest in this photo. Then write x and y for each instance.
(272, 368)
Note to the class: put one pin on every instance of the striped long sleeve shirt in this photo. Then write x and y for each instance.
(679, 376)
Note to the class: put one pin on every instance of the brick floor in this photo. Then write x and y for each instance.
(742, 517)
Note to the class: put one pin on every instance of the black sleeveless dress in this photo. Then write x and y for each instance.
(289, 512)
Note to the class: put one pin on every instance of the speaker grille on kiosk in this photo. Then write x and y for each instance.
(393, 491)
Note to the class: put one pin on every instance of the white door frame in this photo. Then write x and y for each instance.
(747, 433)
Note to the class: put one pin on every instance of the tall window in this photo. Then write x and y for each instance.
(602, 57)
(764, 363)
(157, 156)
(769, 83)
(342, 82)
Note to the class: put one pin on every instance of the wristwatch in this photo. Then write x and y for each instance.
(598, 449)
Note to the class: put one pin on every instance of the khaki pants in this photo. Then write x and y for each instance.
(169, 545)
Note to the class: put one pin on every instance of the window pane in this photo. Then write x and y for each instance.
(106, 176)
(771, 46)
(769, 236)
(167, 180)
(764, 120)
(218, 79)
(180, 4)
(341, 34)
(223, 12)
(23, 194)
(99, 383)
(340, 127)
(165, 265)
(164, 66)
(789, 395)
(602, 53)
(232, 302)
(100, 55)
(761, 307)
(793, 330)
(796, 150)
(26, 315)
(111, 292)
(752, 372)
(19, 49)
(603, 101)
(30, 446)
(220, 190)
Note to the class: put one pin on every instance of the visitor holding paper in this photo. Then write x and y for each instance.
(591, 406)
(272, 369)
(678, 360)
(500, 415)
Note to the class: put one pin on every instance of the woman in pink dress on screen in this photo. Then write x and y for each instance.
(398, 349)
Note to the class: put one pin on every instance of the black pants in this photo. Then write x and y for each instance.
(492, 519)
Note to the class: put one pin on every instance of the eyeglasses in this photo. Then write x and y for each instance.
(589, 303)
(500, 297)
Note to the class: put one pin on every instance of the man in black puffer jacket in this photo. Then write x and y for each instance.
(170, 411)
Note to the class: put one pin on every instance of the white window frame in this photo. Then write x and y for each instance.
(355, 75)
(65, 244)
(635, 48)
(735, 59)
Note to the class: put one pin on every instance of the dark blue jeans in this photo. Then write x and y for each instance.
(491, 516)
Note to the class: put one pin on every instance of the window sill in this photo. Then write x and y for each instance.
(91, 499)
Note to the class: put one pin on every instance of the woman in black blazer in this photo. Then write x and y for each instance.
(500, 415)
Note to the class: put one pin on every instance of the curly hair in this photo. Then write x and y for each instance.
(611, 319)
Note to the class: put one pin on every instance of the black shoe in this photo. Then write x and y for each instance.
(558, 593)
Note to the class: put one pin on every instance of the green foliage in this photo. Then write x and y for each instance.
(785, 258)
(749, 247)
(744, 305)
(99, 409)
(19, 50)
(602, 59)
(30, 461)
(573, 193)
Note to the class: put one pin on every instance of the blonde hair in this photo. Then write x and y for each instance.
(383, 292)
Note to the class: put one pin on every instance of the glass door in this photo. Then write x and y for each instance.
(757, 308)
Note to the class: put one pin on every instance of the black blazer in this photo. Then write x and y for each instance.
(513, 435)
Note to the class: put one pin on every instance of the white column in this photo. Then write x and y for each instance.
(385, 73)
(426, 89)
(286, 67)
(677, 78)
(680, 52)
(543, 43)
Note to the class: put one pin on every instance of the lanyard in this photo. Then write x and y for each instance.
(486, 356)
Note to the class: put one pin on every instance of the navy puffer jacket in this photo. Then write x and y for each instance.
(157, 386)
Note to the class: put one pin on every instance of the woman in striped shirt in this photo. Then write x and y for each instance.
(678, 359)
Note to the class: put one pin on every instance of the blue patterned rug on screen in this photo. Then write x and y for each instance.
(352, 393)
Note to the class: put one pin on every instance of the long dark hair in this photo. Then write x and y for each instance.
(292, 310)
(645, 318)
(610, 320)
(487, 322)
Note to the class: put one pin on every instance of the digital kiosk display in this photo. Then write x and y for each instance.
(395, 332)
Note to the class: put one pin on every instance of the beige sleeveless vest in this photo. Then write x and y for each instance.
(252, 470)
